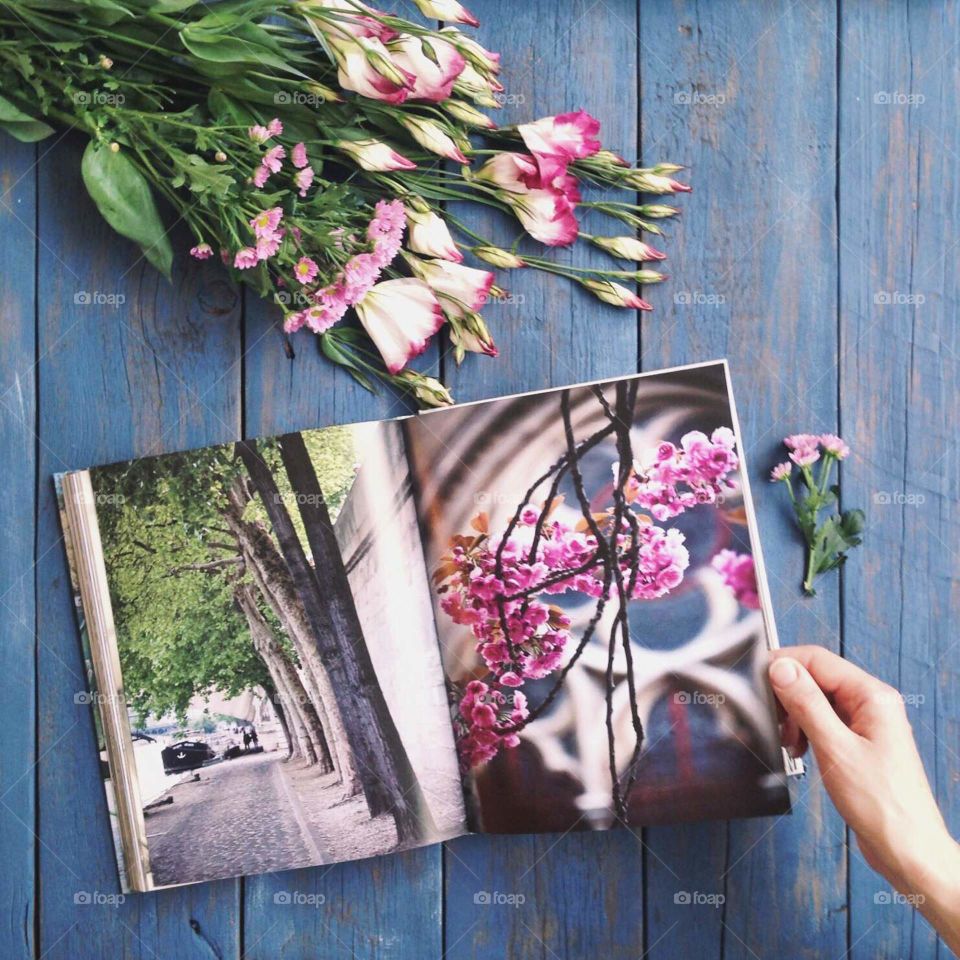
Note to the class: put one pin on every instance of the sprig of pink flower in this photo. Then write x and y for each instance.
(738, 573)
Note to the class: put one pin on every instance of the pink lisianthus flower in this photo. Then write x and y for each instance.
(375, 156)
(265, 223)
(556, 141)
(202, 251)
(299, 156)
(245, 258)
(306, 270)
(833, 445)
(546, 215)
(303, 179)
(739, 574)
(400, 316)
(356, 72)
(429, 235)
(431, 80)
(513, 172)
(448, 10)
(459, 288)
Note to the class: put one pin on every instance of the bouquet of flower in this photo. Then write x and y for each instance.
(313, 145)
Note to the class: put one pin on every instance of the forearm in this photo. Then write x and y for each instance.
(936, 886)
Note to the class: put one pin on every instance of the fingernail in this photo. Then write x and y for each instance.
(783, 672)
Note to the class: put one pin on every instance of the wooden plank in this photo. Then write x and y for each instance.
(900, 162)
(583, 892)
(18, 182)
(388, 908)
(157, 371)
(745, 94)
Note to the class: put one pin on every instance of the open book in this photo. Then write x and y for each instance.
(540, 613)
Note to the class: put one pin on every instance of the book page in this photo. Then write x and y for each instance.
(601, 605)
(280, 664)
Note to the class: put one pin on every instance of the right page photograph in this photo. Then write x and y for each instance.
(601, 606)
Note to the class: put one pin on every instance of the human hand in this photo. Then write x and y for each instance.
(870, 766)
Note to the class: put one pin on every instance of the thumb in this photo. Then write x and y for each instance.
(807, 705)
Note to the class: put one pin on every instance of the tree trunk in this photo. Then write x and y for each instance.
(339, 633)
(277, 708)
(310, 731)
(270, 573)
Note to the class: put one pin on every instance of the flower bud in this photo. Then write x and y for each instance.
(498, 257)
(615, 294)
(431, 136)
(469, 333)
(428, 390)
(468, 114)
(648, 182)
(611, 158)
(628, 248)
(658, 211)
(667, 168)
(105, 61)
(220, 157)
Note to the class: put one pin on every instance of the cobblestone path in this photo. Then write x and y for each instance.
(239, 818)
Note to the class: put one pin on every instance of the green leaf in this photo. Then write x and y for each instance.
(21, 125)
(125, 200)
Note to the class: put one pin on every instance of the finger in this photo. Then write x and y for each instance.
(807, 705)
(792, 737)
(860, 698)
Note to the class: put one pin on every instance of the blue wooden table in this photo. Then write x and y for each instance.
(818, 253)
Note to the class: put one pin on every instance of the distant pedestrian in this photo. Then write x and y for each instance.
(246, 739)
(254, 737)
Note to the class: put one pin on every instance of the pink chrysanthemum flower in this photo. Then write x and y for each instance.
(272, 159)
(299, 156)
(246, 258)
(834, 446)
(739, 574)
(269, 244)
(781, 471)
(275, 127)
(306, 270)
(303, 180)
(260, 176)
(265, 223)
(258, 133)
(202, 251)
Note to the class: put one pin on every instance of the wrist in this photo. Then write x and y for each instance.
(935, 882)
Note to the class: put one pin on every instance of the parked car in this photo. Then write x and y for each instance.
(185, 755)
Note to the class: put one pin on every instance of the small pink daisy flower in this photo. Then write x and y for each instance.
(260, 176)
(266, 222)
(303, 179)
(202, 251)
(273, 157)
(275, 127)
(306, 270)
(258, 133)
(781, 471)
(245, 258)
(834, 446)
(299, 156)
(268, 245)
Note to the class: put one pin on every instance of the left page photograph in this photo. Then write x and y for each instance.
(256, 616)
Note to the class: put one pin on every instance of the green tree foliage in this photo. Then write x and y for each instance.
(173, 566)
